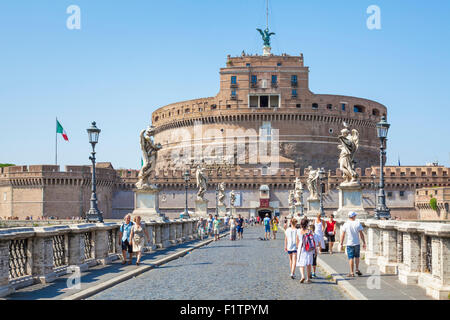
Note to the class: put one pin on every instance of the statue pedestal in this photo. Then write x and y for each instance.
(222, 210)
(201, 208)
(146, 205)
(350, 199)
(266, 51)
(299, 209)
(313, 207)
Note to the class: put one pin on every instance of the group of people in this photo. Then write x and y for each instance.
(270, 225)
(209, 227)
(132, 238)
(236, 226)
(304, 241)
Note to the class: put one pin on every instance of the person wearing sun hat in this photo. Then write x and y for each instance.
(353, 229)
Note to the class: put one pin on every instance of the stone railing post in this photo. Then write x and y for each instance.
(101, 244)
(184, 230)
(172, 233)
(150, 230)
(43, 265)
(179, 229)
(157, 234)
(373, 242)
(5, 287)
(195, 229)
(77, 245)
(438, 285)
(190, 230)
(409, 268)
(165, 234)
(388, 261)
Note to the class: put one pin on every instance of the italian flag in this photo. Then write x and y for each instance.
(60, 129)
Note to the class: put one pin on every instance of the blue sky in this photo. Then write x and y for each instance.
(131, 57)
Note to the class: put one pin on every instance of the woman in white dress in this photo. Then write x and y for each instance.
(304, 258)
(320, 226)
(138, 239)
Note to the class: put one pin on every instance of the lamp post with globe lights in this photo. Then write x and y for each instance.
(381, 210)
(94, 214)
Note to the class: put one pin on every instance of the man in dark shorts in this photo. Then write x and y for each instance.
(124, 234)
(240, 226)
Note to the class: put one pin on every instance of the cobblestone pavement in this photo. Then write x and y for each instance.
(226, 270)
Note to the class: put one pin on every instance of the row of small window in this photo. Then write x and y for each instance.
(401, 194)
(254, 79)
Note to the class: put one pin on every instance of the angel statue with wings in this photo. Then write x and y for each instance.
(349, 145)
(311, 183)
(221, 194)
(149, 152)
(201, 183)
(298, 191)
(266, 36)
(232, 198)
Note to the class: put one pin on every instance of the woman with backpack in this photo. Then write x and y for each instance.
(305, 250)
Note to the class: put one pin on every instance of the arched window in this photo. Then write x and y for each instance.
(315, 106)
(358, 109)
(375, 112)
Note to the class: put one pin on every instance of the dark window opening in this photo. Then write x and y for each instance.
(298, 105)
(264, 101)
(315, 106)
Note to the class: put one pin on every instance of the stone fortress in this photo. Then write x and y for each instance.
(271, 92)
(258, 94)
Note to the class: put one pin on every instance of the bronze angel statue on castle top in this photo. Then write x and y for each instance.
(266, 36)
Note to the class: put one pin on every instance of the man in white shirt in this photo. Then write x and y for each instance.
(354, 230)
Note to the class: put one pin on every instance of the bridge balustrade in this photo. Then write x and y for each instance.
(418, 252)
(40, 254)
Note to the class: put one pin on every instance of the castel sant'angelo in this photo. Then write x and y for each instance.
(261, 131)
(271, 92)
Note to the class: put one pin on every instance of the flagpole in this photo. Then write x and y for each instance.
(56, 143)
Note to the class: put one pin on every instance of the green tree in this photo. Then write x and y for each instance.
(2, 165)
(433, 204)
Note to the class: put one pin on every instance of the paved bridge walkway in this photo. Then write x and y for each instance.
(226, 270)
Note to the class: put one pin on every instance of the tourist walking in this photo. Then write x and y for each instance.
(316, 252)
(331, 233)
(353, 229)
(240, 227)
(320, 226)
(216, 225)
(210, 225)
(305, 250)
(274, 227)
(125, 239)
(201, 228)
(290, 246)
(226, 222)
(232, 228)
(138, 234)
(266, 223)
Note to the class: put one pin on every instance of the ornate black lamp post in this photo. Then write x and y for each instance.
(187, 177)
(93, 214)
(322, 190)
(382, 211)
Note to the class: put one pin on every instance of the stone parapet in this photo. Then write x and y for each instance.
(41, 254)
(418, 252)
